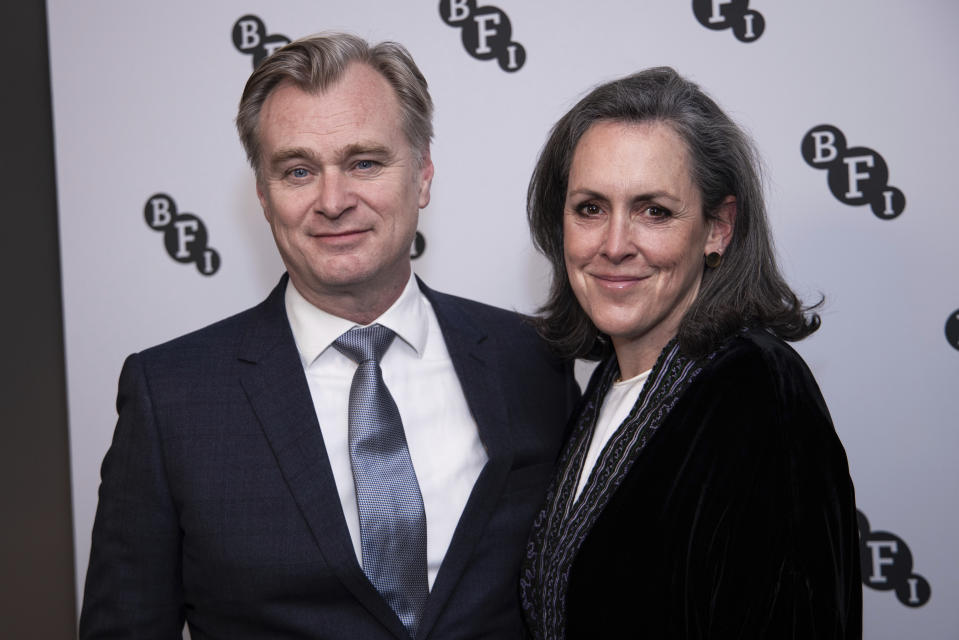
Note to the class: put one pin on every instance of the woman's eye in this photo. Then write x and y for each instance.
(589, 209)
(658, 212)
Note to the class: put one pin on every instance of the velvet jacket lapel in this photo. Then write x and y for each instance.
(280, 397)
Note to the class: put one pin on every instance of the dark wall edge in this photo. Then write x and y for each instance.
(37, 592)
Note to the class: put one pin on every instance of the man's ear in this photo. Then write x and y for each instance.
(261, 196)
(425, 178)
(721, 226)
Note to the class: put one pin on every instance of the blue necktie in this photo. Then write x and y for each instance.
(392, 519)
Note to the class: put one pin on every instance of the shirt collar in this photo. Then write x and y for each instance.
(314, 330)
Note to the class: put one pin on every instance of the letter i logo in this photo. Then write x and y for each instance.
(486, 32)
(747, 24)
(856, 176)
(952, 329)
(184, 234)
(887, 565)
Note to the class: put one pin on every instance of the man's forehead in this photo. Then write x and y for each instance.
(358, 83)
(358, 113)
(360, 98)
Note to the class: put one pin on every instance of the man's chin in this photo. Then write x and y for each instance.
(352, 280)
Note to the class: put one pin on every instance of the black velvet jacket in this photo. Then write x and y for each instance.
(732, 516)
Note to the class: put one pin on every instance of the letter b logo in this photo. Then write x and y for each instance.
(486, 32)
(250, 37)
(855, 176)
(184, 234)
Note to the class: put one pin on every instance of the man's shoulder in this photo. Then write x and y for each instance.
(227, 334)
(486, 319)
(474, 308)
(508, 335)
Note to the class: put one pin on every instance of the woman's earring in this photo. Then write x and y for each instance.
(714, 259)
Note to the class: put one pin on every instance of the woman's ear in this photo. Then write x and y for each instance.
(721, 226)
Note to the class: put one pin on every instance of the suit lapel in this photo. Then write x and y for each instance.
(474, 355)
(280, 396)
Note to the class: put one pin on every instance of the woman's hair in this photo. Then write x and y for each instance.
(746, 290)
(315, 62)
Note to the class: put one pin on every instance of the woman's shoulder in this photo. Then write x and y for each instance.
(757, 373)
(758, 351)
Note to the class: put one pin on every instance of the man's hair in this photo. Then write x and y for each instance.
(746, 290)
(315, 62)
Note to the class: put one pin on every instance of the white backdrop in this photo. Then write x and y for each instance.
(144, 99)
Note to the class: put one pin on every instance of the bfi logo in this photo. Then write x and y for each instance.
(250, 37)
(856, 176)
(747, 24)
(952, 329)
(486, 32)
(184, 235)
(419, 246)
(887, 565)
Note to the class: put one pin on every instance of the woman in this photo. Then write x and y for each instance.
(703, 492)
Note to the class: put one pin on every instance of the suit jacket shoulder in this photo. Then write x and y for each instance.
(512, 332)
(218, 505)
(250, 331)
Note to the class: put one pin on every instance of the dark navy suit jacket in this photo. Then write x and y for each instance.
(218, 506)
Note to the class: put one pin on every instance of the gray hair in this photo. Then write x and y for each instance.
(746, 290)
(315, 62)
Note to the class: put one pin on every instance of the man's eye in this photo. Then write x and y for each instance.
(365, 165)
(299, 172)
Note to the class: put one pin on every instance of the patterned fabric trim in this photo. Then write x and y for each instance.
(564, 522)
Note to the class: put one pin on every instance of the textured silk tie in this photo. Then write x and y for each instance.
(392, 519)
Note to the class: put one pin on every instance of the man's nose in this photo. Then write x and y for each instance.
(335, 194)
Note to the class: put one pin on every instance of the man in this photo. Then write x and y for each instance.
(266, 480)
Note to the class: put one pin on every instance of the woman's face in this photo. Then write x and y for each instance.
(635, 235)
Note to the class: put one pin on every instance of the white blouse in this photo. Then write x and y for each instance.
(617, 404)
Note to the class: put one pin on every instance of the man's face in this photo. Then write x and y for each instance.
(342, 189)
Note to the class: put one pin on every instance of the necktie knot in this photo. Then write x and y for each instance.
(360, 344)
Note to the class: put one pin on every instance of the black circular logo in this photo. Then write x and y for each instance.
(486, 32)
(856, 175)
(952, 329)
(184, 234)
(250, 37)
(887, 565)
(419, 246)
(747, 24)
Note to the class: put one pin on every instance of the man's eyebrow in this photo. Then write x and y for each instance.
(366, 149)
(349, 151)
(292, 153)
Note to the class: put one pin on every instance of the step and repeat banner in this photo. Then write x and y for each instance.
(853, 106)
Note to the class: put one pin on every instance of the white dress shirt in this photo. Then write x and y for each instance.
(617, 404)
(442, 436)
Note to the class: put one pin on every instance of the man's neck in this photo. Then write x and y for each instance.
(360, 305)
